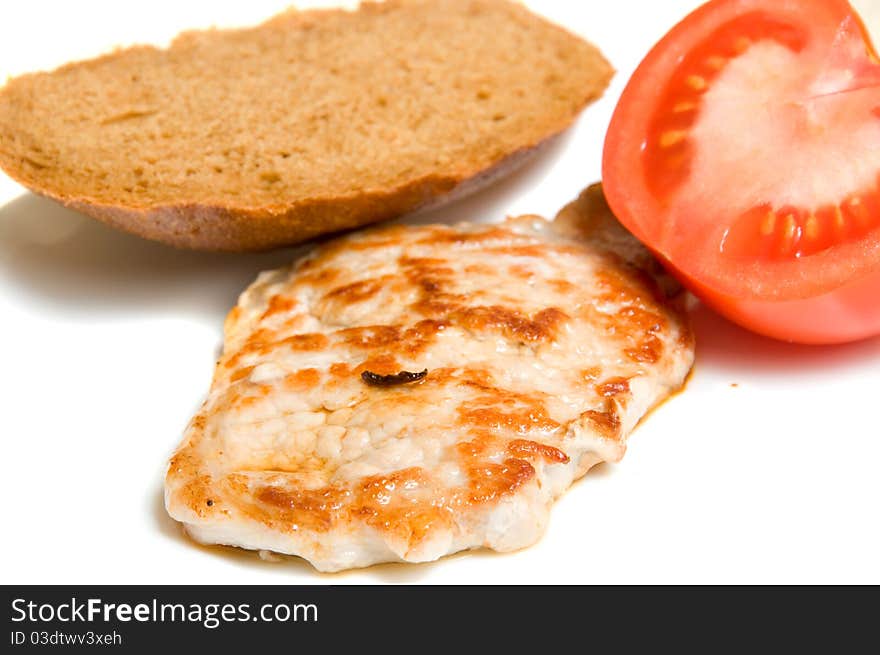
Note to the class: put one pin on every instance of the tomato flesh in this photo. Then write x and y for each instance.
(754, 173)
(668, 151)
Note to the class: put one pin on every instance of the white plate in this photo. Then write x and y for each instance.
(764, 470)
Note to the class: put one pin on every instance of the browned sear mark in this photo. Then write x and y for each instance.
(613, 387)
(606, 422)
(542, 326)
(525, 448)
(278, 305)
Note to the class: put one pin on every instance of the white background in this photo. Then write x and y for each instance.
(108, 344)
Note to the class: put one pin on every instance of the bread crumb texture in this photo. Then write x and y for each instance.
(312, 122)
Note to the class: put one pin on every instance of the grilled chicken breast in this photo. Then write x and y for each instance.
(404, 393)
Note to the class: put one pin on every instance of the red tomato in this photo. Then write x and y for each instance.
(745, 152)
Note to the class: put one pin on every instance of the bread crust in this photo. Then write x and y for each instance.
(215, 228)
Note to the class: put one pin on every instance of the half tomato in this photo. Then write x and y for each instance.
(745, 152)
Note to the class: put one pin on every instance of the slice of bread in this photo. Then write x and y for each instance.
(310, 123)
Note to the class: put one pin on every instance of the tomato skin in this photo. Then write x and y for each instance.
(820, 311)
(849, 313)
